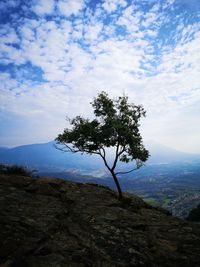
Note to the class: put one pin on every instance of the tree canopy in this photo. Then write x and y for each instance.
(116, 124)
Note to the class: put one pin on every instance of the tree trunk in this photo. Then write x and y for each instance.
(117, 184)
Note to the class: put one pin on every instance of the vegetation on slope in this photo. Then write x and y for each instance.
(15, 170)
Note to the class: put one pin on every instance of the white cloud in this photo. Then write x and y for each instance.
(8, 4)
(150, 18)
(92, 31)
(112, 5)
(10, 54)
(69, 7)
(46, 46)
(10, 37)
(130, 19)
(79, 57)
(42, 7)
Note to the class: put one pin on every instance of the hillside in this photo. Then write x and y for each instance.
(51, 222)
(46, 157)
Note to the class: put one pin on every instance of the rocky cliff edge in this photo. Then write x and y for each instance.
(54, 223)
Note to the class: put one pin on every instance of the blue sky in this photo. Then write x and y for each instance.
(56, 55)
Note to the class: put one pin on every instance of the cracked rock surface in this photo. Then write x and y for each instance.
(55, 223)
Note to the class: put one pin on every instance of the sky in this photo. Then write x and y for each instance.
(57, 55)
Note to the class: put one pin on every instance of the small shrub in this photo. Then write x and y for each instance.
(194, 214)
(15, 170)
(3, 168)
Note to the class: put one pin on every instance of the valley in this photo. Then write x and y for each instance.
(173, 187)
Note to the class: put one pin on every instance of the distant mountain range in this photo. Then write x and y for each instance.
(161, 154)
(46, 157)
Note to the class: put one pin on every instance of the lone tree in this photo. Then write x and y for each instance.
(116, 125)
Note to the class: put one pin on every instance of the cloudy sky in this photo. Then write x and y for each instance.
(56, 55)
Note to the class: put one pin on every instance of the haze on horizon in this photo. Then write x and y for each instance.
(57, 55)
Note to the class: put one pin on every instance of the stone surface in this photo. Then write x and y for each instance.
(51, 222)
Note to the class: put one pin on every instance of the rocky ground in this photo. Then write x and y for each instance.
(53, 223)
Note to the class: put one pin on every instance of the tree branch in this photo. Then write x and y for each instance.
(104, 152)
(138, 165)
(67, 148)
(127, 171)
(117, 156)
(104, 159)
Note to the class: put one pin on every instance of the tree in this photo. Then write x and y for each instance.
(116, 125)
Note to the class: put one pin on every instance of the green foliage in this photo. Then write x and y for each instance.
(14, 170)
(116, 124)
(194, 214)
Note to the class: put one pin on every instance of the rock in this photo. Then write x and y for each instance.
(51, 222)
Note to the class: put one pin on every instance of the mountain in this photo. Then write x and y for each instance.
(51, 222)
(47, 157)
(161, 154)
